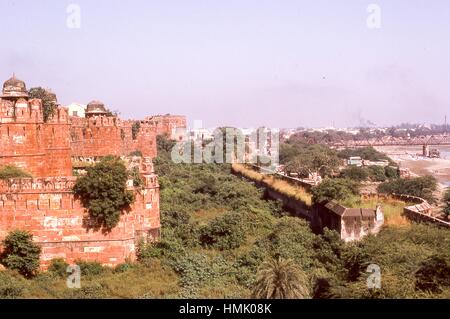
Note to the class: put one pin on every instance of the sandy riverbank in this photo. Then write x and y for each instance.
(408, 157)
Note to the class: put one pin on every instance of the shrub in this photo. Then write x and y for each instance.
(420, 186)
(90, 268)
(136, 153)
(90, 291)
(48, 101)
(11, 287)
(174, 219)
(391, 172)
(291, 238)
(135, 129)
(11, 171)
(103, 191)
(124, 267)
(337, 189)
(433, 274)
(21, 253)
(59, 266)
(225, 232)
(377, 173)
(355, 173)
(135, 175)
(367, 153)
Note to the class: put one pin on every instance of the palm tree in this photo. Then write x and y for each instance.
(280, 279)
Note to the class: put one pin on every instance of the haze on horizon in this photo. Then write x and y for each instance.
(239, 62)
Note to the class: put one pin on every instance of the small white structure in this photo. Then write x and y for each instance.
(76, 109)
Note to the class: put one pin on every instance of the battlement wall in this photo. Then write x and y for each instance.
(42, 149)
(96, 137)
(60, 224)
(170, 125)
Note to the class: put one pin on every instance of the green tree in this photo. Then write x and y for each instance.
(391, 172)
(135, 128)
(356, 173)
(281, 279)
(21, 253)
(164, 144)
(312, 159)
(49, 102)
(377, 173)
(225, 232)
(104, 193)
(367, 153)
(337, 188)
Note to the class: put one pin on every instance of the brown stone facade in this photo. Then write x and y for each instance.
(43, 149)
(48, 209)
(95, 137)
(171, 125)
(45, 204)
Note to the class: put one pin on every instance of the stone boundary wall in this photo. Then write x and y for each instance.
(295, 206)
(300, 182)
(420, 212)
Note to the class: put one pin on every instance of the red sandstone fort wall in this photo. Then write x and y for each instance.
(96, 137)
(25, 141)
(45, 204)
(169, 125)
(60, 224)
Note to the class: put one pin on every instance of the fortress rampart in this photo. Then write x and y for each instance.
(45, 204)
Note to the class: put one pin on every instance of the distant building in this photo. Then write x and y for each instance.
(174, 126)
(355, 160)
(76, 109)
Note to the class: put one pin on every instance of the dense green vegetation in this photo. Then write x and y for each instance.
(370, 173)
(20, 253)
(222, 239)
(103, 191)
(305, 159)
(135, 128)
(423, 187)
(335, 188)
(366, 153)
(11, 171)
(281, 279)
(48, 101)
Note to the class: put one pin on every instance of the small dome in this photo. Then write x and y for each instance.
(96, 108)
(14, 88)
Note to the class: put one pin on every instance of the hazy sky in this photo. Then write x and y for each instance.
(238, 62)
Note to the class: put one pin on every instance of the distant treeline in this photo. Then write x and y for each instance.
(402, 131)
